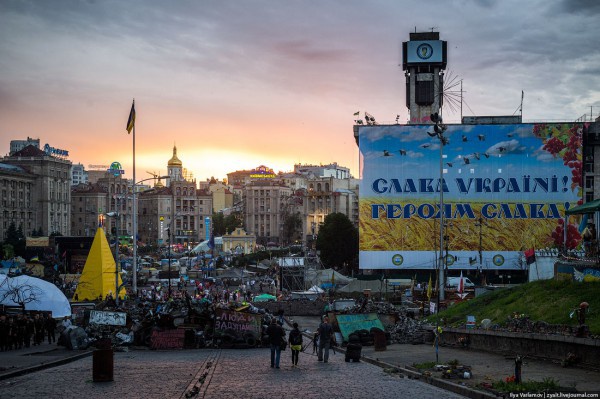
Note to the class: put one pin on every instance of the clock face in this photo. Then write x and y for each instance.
(424, 51)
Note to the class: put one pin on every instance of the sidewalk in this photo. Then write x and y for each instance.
(487, 367)
(26, 360)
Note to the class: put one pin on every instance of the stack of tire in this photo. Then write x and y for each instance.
(354, 348)
(230, 340)
(365, 337)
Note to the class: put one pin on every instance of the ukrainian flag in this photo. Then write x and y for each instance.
(131, 120)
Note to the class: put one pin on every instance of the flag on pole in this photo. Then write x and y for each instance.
(131, 120)
(429, 288)
(530, 256)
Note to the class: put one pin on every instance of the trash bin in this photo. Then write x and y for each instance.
(379, 340)
(103, 361)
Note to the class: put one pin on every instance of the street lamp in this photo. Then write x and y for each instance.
(438, 132)
(116, 216)
(134, 285)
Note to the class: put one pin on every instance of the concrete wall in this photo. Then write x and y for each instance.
(554, 347)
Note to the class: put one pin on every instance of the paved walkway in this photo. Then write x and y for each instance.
(486, 366)
(218, 374)
(53, 371)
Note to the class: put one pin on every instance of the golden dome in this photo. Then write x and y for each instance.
(159, 184)
(174, 161)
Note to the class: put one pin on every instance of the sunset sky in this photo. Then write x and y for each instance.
(238, 84)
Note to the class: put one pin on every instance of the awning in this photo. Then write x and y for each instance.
(588, 207)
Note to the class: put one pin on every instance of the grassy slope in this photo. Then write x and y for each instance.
(549, 300)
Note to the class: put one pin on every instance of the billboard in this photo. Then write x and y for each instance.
(504, 189)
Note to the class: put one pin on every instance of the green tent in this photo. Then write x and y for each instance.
(588, 207)
(264, 298)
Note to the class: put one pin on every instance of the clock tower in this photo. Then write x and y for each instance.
(424, 61)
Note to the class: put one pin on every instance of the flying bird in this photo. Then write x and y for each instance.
(501, 149)
(402, 152)
(467, 160)
(386, 153)
(424, 145)
(485, 154)
(510, 134)
(464, 138)
(481, 137)
(449, 164)
(476, 155)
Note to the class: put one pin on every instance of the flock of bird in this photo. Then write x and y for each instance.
(466, 158)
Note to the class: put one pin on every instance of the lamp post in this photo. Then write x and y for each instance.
(169, 257)
(134, 225)
(116, 216)
(439, 130)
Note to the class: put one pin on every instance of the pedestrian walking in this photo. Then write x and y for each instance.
(276, 337)
(295, 344)
(325, 340)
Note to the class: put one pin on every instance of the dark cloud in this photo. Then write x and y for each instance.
(590, 8)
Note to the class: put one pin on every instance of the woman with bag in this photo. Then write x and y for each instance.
(295, 344)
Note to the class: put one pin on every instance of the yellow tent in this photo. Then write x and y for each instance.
(98, 276)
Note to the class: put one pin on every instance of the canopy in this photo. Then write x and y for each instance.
(588, 207)
(264, 298)
(37, 294)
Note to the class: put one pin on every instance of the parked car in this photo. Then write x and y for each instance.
(453, 282)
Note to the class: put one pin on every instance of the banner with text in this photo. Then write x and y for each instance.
(504, 189)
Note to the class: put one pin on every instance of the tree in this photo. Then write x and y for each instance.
(291, 225)
(218, 224)
(231, 222)
(19, 293)
(14, 238)
(338, 242)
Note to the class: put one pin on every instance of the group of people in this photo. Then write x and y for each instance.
(324, 338)
(23, 330)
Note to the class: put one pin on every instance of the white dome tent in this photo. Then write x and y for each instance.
(35, 293)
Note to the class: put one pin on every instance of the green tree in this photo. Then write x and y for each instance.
(218, 224)
(231, 221)
(291, 225)
(15, 238)
(338, 242)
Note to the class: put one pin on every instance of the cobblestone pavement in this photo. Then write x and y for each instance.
(218, 374)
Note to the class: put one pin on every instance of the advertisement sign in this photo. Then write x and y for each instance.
(505, 189)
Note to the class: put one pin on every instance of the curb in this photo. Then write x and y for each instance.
(27, 370)
(443, 384)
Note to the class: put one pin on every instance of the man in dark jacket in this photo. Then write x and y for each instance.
(276, 336)
(325, 339)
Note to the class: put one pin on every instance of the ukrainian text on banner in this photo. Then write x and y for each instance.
(505, 189)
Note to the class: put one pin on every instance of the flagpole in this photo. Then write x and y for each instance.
(134, 285)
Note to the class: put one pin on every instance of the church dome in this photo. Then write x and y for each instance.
(174, 161)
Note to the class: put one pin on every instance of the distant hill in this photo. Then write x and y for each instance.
(551, 301)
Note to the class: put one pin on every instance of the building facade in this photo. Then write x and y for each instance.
(16, 196)
(50, 193)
